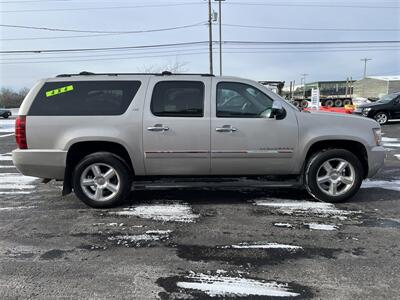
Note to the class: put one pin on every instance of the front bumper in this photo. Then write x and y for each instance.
(376, 159)
(40, 163)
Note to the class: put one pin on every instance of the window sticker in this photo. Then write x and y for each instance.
(64, 89)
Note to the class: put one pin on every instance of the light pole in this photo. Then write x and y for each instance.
(365, 60)
(220, 35)
(210, 43)
(303, 78)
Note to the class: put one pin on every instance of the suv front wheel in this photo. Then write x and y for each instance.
(333, 175)
(102, 180)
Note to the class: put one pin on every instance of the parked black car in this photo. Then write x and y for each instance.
(386, 108)
(5, 113)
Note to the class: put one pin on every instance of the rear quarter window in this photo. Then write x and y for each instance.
(84, 98)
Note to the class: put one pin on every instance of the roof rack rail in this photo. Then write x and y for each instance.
(164, 73)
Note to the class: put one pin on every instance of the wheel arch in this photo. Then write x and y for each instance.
(80, 149)
(355, 147)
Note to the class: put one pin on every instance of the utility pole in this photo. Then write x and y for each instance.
(220, 35)
(210, 42)
(365, 60)
(303, 77)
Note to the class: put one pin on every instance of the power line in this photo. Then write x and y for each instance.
(269, 49)
(311, 4)
(101, 31)
(189, 53)
(104, 48)
(104, 7)
(311, 29)
(202, 42)
(113, 33)
(120, 52)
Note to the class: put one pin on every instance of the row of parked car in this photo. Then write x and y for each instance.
(382, 110)
(5, 113)
(386, 108)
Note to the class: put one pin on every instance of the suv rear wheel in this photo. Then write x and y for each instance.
(102, 180)
(333, 175)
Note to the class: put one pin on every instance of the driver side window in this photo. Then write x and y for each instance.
(239, 100)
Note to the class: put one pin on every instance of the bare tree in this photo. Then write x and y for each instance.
(174, 67)
(10, 98)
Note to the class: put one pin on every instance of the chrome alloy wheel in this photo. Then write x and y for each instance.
(100, 182)
(335, 177)
(381, 118)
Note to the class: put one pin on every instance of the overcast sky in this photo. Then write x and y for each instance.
(269, 63)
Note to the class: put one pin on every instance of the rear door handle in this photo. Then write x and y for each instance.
(158, 127)
(226, 128)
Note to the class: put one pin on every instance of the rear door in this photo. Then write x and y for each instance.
(244, 141)
(176, 126)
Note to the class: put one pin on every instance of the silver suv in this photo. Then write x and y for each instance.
(100, 133)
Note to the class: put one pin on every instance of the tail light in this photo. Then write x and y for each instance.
(20, 132)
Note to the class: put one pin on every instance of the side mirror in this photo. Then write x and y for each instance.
(277, 111)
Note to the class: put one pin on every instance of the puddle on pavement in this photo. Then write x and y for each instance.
(228, 286)
(246, 256)
(53, 254)
(381, 223)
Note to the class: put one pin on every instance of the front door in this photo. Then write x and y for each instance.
(176, 126)
(396, 108)
(244, 141)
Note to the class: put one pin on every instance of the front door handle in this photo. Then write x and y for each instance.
(158, 127)
(226, 128)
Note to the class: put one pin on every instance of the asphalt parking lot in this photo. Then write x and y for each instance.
(202, 243)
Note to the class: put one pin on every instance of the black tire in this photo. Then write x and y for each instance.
(5, 116)
(338, 103)
(347, 102)
(304, 104)
(123, 177)
(296, 103)
(314, 166)
(381, 117)
(329, 103)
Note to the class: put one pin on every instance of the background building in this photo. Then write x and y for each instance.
(376, 86)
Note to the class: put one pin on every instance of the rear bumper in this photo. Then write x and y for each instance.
(40, 163)
(376, 159)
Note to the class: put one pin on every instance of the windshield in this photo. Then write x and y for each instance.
(388, 98)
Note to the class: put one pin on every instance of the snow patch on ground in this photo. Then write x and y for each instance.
(263, 245)
(137, 239)
(15, 193)
(393, 145)
(16, 208)
(317, 226)
(15, 181)
(5, 157)
(223, 286)
(397, 156)
(393, 185)
(7, 126)
(389, 139)
(287, 225)
(161, 212)
(319, 209)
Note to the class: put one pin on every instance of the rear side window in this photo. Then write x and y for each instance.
(84, 98)
(178, 99)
